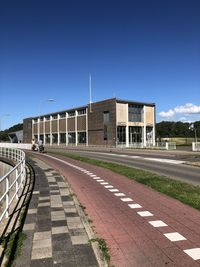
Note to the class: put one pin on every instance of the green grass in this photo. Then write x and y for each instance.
(186, 193)
(103, 247)
(9, 241)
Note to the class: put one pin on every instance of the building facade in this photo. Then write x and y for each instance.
(111, 122)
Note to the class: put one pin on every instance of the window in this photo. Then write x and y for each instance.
(121, 134)
(106, 119)
(47, 138)
(71, 138)
(62, 115)
(54, 138)
(81, 137)
(62, 138)
(54, 117)
(47, 118)
(135, 113)
(71, 113)
(135, 134)
(82, 111)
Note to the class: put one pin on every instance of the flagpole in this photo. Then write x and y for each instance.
(90, 87)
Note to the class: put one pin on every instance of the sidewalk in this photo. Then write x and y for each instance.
(55, 234)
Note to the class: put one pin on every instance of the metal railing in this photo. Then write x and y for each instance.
(12, 182)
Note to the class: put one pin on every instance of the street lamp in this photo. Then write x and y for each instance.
(191, 127)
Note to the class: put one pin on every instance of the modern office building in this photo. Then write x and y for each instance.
(111, 122)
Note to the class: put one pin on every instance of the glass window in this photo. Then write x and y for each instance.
(47, 138)
(54, 138)
(71, 113)
(62, 115)
(82, 111)
(47, 118)
(135, 113)
(63, 138)
(106, 119)
(54, 117)
(135, 134)
(71, 138)
(121, 134)
(81, 137)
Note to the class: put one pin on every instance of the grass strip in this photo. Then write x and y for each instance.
(186, 193)
(103, 247)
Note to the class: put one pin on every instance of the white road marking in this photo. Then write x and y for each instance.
(119, 194)
(127, 199)
(96, 178)
(108, 186)
(144, 213)
(100, 180)
(104, 183)
(174, 237)
(193, 253)
(135, 206)
(158, 223)
(93, 175)
(172, 161)
(113, 190)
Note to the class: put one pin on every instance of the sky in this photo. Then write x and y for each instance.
(140, 50)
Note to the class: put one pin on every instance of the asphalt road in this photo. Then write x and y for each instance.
(169, 164)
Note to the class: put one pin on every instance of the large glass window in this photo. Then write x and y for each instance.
(71, 113)
(82, 111)
(71, 138)
(135, 113)
(135, 134)
(121, 134)
(62, 138)
(106, 119)
(54, 138)
(47, 138)
(81, 137)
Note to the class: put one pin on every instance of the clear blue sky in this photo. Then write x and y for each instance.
(143, 50)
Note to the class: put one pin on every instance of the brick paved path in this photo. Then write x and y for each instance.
(55, 235)
(141, 227)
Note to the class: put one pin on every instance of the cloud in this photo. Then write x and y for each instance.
(186, 109)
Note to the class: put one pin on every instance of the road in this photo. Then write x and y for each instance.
(141, 227)
(169, 164)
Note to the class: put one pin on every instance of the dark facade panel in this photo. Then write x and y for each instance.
(27, 130)
(35, 128)
(54, 126)
(47, 126)
(71, 124)
(96, 123)
(81, 123)
(62, 125)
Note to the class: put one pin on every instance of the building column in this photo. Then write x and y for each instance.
(86, 126)
(154, 128)
(144, 128)
(32, 130)
(58, 124)
(67, 142)
(50, 130)
(76, 133)
(38, 129)
(127, 127)
(44, 139)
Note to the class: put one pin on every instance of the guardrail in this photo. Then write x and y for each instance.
(12, 182)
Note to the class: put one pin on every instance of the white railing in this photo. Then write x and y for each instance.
(12, 182)
(195, 146)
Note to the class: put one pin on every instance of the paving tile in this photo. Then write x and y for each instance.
(32, 211)
(42, 243)
(46, 262)
(41, 253)
(74, 225)
(29, 226)
(42, 235)
(73, 220)
(59, 230)
(79, 239)
(45, 204)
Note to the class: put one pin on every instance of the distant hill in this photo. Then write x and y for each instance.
(14, 128)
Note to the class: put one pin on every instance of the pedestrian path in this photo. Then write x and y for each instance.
(55, 234)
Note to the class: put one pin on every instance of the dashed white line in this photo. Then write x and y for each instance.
(104, 183)
(158, 223)
(113, 190)
(144, 213)
(135, 206)
(127, 199)
(193, 253)
(108, 186)
(119, 194)
(174, 237)
(100, 180)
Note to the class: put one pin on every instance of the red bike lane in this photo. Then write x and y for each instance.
(141, 227)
